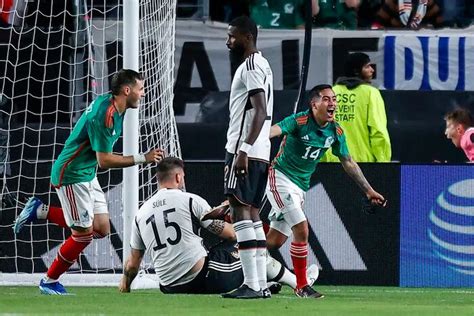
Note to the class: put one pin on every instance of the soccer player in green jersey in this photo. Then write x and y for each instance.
(307, 136)
(90, 144)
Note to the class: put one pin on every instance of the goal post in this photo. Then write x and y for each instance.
(131, 23)
(54, 61)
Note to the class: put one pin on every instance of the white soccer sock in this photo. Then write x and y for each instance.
(247, 250)
(47, 279)
(278, 273)
(261, 254)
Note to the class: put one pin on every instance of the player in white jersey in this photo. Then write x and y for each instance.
(168, 224)
(248, 152)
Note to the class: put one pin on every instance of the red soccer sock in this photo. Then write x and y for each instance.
(56, 215)
(67, 254)
(299, 257)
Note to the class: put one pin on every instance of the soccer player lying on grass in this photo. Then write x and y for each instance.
(459, 128)
(308, 135)
(168, 224)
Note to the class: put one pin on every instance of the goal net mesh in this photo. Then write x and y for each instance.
(56, 57)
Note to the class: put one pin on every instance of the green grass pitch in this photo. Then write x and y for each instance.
(339, 300)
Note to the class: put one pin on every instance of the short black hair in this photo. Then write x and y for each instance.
(315, 92)
(461, 116)
(245, 25)
(354, 63)
(165, 168)
(124, 77)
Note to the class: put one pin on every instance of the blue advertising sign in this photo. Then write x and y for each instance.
(437, 226)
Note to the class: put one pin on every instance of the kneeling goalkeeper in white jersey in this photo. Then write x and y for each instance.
(169, 224)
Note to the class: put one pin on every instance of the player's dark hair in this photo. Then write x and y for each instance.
(165, 168)
(354, 63)
(245, 25)
(315, 92)
(461, 116)
(124, 77)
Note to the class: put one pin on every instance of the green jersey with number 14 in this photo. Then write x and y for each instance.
(304, 144)
(97, 130)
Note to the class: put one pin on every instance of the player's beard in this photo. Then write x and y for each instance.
(237, 54)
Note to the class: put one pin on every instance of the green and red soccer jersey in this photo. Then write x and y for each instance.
(304, 144)
(97, 130)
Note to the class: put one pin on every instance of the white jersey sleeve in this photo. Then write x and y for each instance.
(253, 76)
(136, 241)
(199, 207)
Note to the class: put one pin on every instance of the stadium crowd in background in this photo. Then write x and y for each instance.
(351, 14)
(337, 14)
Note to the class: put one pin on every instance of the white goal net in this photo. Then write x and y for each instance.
(55, 58)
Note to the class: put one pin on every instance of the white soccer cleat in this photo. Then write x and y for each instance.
(145, 281)
(28, 214)
(312, 274)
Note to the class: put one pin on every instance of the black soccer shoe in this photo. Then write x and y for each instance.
(308, 292)
(266, 293)
(243, 292)
(275, 288)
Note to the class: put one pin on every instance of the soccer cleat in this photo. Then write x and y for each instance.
(28, 214)
(312, 274)
(266, 293)
(243, 292)
(308, 292)
(54, 288)
(275, 287)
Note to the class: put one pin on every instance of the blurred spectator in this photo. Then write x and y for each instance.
(361, 113)
(457, 13)
(408, 14)
(280, 14)
(227, 10)
(337, 14)
(366, 12)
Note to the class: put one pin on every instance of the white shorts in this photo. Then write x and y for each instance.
(80, 201)
(287, 201)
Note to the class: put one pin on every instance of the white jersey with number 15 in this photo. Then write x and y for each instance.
(164, 224)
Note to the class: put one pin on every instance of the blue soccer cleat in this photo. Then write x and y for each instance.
(28, 214)
(54, 288)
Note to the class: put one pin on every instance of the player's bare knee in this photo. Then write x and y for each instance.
(255, 214)
(101, 225)
(300, 232)
(80, 231)
(239, 211)
(275, 239)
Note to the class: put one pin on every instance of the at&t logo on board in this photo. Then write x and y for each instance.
(451, 227)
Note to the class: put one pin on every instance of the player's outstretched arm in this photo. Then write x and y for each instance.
(131, 270)
(111, 160)
(275, 131)
(353, 170)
